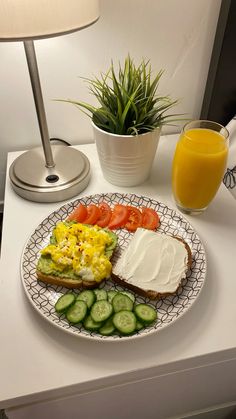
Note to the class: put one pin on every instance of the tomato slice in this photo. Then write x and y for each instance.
(105, 215)
(134, 219)
(93, 213)
(150, 218)
(79, 214)
(119, 217)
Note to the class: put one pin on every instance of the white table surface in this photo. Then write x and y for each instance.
(39, 361)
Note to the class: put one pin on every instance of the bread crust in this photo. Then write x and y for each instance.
(151, 294)
(66, 282)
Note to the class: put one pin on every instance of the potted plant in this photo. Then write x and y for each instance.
(127, 121)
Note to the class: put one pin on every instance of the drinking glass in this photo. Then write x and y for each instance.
(199, 164)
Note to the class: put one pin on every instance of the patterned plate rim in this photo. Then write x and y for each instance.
(42, 297)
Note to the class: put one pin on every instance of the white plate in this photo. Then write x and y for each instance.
(43, 297)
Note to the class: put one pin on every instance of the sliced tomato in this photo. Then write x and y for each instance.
(119, 217)
(134, 219)
(105, 215)
(150, 218)
(79, 214)
(93, 214)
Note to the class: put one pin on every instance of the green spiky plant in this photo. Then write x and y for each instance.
(128, 100)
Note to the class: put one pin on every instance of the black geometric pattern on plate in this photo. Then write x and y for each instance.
(229, 179)
(43, 297)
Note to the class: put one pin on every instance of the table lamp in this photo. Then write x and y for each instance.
(46, 173)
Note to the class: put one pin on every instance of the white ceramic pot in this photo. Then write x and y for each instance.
(126, 160)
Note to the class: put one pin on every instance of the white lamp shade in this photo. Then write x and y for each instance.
(36, 19)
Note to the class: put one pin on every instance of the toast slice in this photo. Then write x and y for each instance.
(150, 252)
(78, 256)
(66, 282)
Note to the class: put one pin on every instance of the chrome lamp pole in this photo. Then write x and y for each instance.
(38, 100)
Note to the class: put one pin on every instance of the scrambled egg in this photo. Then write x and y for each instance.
(81, 248)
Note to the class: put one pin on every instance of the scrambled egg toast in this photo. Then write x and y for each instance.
(78, 255)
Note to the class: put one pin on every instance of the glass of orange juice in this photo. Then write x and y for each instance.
(199, 164)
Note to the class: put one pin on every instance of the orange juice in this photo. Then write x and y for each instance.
(198, 167)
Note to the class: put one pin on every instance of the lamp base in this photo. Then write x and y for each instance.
(32, 180)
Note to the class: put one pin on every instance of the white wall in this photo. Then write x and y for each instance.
(176, 35)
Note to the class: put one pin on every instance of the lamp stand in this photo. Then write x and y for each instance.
(47, 173)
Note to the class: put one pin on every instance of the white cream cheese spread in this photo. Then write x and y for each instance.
(153, 261)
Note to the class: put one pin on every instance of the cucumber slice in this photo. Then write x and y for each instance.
(90, 324)
(111, 294)
(108, 328)
(64, 302)
(131, 296)
(101, 310)
(122, 302)
(139, 325)
(125, 322)
(100, 294)
(87, 296)
(145, 313)
(77, 312)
